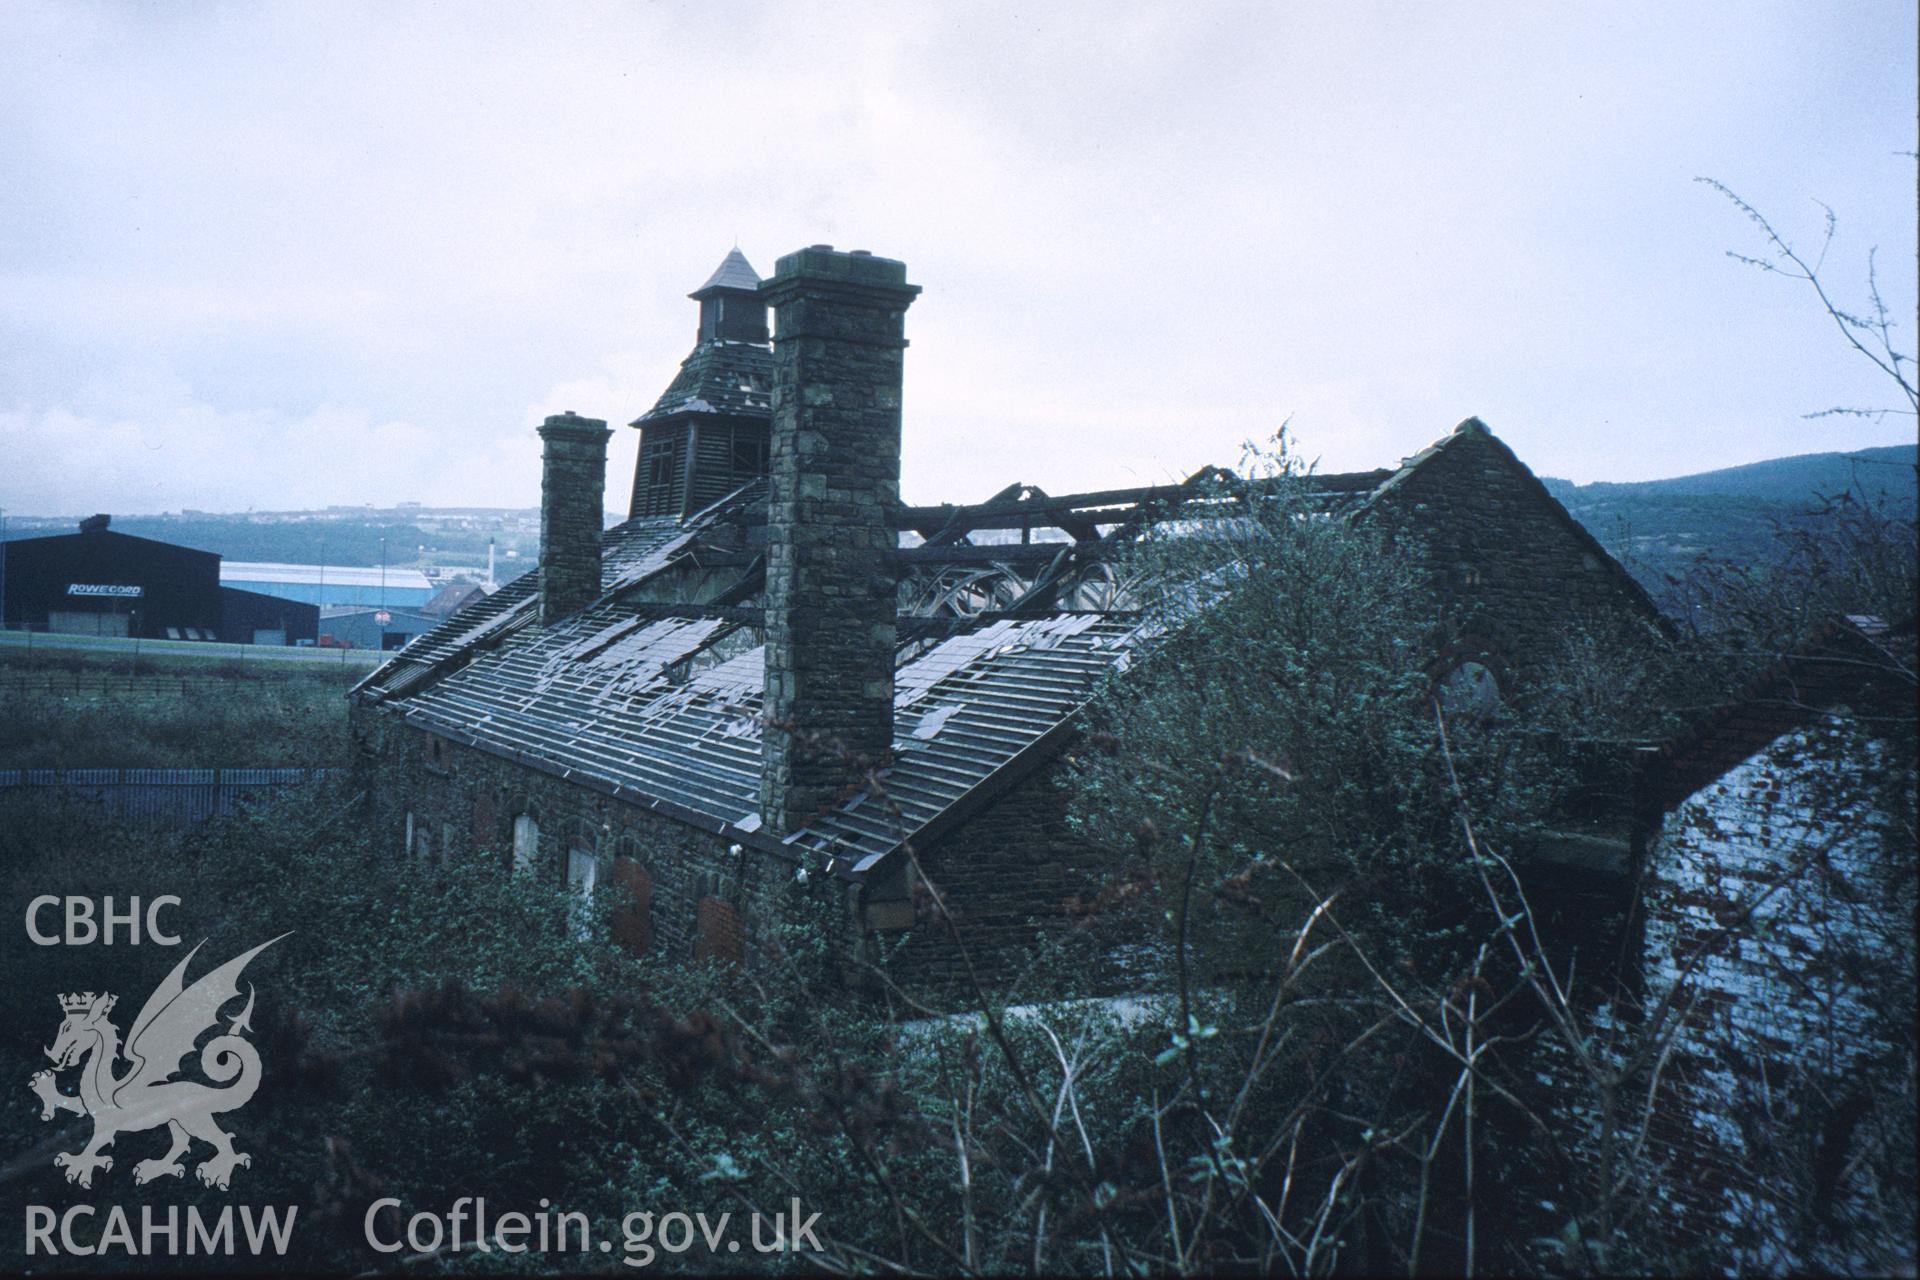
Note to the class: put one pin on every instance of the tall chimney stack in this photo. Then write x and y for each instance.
(573, 481)
(832, 588)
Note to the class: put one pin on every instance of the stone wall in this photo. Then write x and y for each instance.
(573, 481)
(1777, 921)
(466, 803)
(831, 589)
(1022, 890)
(1517, 572)
(1015, 877)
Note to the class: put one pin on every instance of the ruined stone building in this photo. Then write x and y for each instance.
(688, 704)
(773, 673)
(1778, 896)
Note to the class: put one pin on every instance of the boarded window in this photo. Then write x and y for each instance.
(716, 932)
(748, 455)
(407, 847)
(632, 919)
(526, 842)
(483, 834)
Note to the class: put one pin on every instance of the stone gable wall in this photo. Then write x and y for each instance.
(1517, 574)
(1021, 887)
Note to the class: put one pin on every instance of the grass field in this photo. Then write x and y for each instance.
(70, 709)
(120, 649)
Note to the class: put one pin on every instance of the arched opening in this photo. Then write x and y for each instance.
(631, 921)
(583, 877)
(1470, 691)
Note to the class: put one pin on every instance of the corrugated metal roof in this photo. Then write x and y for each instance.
(239, 571)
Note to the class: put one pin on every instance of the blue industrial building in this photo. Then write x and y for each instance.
(385, 629)
(328, 584)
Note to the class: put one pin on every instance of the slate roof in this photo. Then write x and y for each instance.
(719, 377)
(631, 553)
(659, 704)
(1857, 661)
(664, 713)
(734, 272)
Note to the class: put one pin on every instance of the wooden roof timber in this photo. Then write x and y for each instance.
(1100, 507)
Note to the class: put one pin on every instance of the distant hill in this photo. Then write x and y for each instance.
(1661, 527)
(447, 536)
(1885, 471)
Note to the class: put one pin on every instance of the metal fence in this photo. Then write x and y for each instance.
(111, 682)
(165, 797)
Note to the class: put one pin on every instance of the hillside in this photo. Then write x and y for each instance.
(1873, 472)
(446, 536)
(1660, 527)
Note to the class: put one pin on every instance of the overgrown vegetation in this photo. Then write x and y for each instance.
(1337, 1073)
(331, 1124)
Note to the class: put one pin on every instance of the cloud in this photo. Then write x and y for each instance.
(257, 256)
(152, 446)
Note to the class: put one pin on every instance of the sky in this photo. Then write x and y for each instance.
(281, 255)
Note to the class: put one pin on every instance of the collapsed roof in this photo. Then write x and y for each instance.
(1012, 610)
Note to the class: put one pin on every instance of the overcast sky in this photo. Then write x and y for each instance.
(285, 255)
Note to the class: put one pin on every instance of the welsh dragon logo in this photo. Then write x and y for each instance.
(145, 1095)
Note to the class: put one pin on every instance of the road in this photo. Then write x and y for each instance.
(190, 649)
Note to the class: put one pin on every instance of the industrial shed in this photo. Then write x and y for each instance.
(328, 585)
(99, 582)
(384, 629)
(248, 617)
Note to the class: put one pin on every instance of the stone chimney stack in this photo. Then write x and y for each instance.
(573, 481)
(832, 588)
